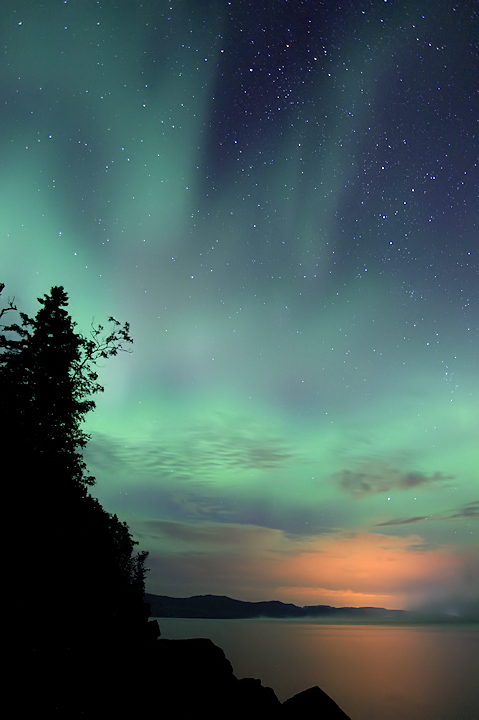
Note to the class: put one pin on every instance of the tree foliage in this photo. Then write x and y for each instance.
(48, 377)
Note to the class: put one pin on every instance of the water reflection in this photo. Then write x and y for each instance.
(372, 672)
(404, 668)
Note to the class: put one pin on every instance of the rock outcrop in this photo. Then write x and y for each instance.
(313, 703)
(150, 677)
(194, 676)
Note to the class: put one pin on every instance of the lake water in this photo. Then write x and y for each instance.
(373, 672)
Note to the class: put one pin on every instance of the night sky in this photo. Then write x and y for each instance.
(282, 199)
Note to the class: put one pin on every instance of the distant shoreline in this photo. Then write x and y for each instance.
(218, 607)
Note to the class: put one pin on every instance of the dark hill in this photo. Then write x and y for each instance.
(222, 607)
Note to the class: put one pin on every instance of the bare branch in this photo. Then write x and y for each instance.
(11, 304)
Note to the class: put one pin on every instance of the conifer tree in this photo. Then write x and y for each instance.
(76, 556)
(48, 378)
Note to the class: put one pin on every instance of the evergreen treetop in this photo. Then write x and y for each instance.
(48, 379)
(77, 558)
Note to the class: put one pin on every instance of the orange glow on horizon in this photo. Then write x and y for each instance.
(336, 598)
(364, 569)
(354, 569)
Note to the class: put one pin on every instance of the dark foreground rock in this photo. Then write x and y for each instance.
(197, 677)
(313, 702)
(154, 678)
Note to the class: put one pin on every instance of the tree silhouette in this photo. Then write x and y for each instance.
(47, 381)
(77, 559)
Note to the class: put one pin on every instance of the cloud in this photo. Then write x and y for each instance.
(206, 535)
(377, 476)
(403, 521)
(256, 563)
(221, 444)
(240, 445)
(459, 599)
(469, 510)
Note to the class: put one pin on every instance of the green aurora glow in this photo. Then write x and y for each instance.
(286, 213)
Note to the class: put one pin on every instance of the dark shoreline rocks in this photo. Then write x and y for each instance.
(102, 667)
(147, 677)
(197, 675)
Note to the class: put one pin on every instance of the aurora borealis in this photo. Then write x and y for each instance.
(282, 200)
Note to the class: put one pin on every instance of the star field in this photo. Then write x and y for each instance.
(282, 200)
